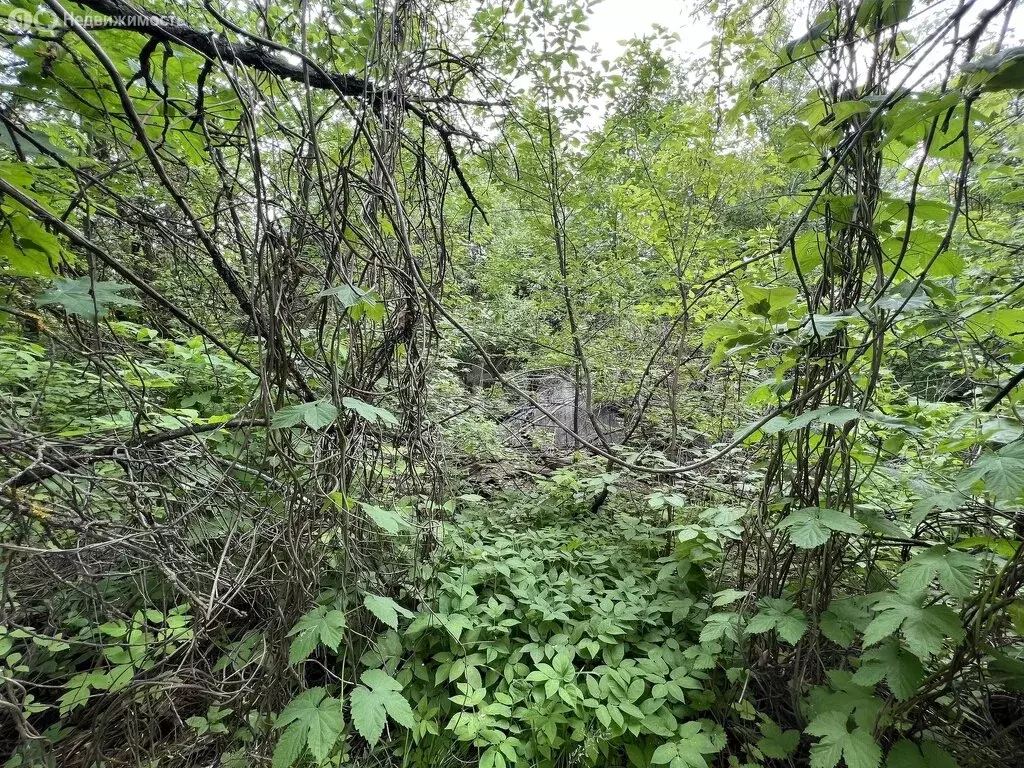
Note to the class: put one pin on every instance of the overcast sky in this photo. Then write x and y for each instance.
(614, 20)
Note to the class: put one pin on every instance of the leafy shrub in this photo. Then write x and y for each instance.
(576, 638)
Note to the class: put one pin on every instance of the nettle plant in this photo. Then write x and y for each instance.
(573, 639)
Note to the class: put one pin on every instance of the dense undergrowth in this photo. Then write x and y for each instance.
(396, 383)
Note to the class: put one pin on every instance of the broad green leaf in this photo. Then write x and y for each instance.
(316, 415)
(1001, 71)
(398, 708)
(83, 297)
(875, 14)
(385, 609)
(778, 744)
(369, 412)
(901, 671)
(377, 698)
(925, 629)
(780, 615)
(389, 520)
(857, 747)
(956, 571)
(320, 625)
(688, 750)
(27, 248)
(814, 526)
(368, 714)
(836, 629)
(831, 414)
(315, 720)
(378, 679)
(813, 40)
(324, 728)
(347, 295)
(907, 754)
(766, 301)
(1002, 473)
(727, 596)
(289, 746)
(720, 626)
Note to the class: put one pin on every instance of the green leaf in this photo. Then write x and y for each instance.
(289, 746)
(28, 248)
(766, 301)
(1001, 71)
(316, 415)
(814, 526)
(778, 744)
(368, 714)
(385, 609)
(874, 14)
(727, 596)
(376, 699)
(924, 628)
(857, 747)
(82, 297)
(378, 679)
(956, 571)
(369, 412)
(1002, 473)
(324, 728)
(347, 295)
(318, 626)
(813, 40)
(831, 414)
(902, 672)
(398, 708)
(720, 625)
(688, 750)
(906, 754)
(315, 720)
(389, 520)
(780, 615)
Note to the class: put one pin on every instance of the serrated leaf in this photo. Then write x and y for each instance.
(324, 728)
(389, 520)
(727, 596)
(906, 754)
(369, 412)
(368, 714)
(720, 625)
(956, 571)
(902, 672)
(379, 680)
(373, 701)
(82, 297)
(303, 645)
(385, 609)
(316, 415)
(778, 744)
(1001, 474)
(924, 628)
(318, 626)
(289, 746)
(688, 750)
(398, 708)
(314, 720)
(814, 526)
(857, 747)
(780, 615)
